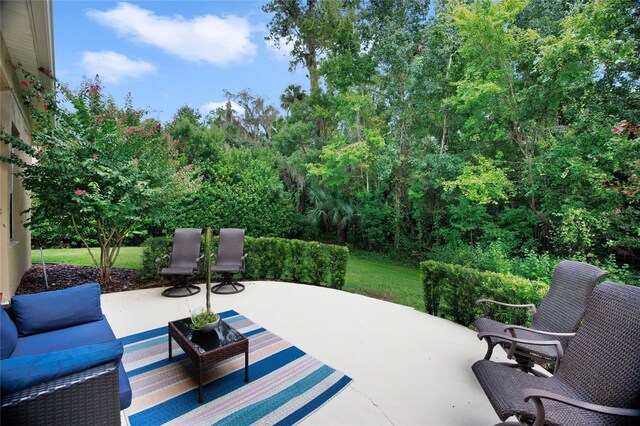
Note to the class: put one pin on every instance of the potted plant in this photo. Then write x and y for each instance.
(206, 320)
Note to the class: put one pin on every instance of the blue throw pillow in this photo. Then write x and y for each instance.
(53, 310)
(8, 334)
(21, 372)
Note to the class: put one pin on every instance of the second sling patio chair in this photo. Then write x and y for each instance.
(558, 317)
(597, 381)
(184, 261)
(230, 260)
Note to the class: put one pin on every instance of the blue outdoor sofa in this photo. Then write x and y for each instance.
(60, 361)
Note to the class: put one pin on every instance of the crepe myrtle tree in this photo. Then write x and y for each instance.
(92, 165)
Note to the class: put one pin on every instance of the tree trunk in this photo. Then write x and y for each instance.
(314, 73)
(105, 274)
(401, 187)
(106, 263)
(445, 110)
(340, 233)
(302, 207)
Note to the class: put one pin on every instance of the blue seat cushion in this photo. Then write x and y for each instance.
(22, 372)
(53, 310)
(8, 335)
(74, 337)
(66, 338)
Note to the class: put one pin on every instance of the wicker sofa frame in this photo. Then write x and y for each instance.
(88, 397)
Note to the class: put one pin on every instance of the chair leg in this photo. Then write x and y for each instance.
(178, 290)
(227, 286)
(490, 346)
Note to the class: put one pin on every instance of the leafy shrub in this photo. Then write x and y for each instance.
(620, 272)
(242, 193)
(496, 257)
(535, 266)
(152, 249)
(274, 259)
(451, 290)
(373, 218)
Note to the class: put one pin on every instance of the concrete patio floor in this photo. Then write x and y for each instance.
(408, 368)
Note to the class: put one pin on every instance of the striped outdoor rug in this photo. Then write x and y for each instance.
(286, 384)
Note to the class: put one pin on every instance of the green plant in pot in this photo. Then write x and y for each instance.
(206, 320)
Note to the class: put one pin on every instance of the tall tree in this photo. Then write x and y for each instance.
(499, 100)
(99, 168)
(393, 33)
(192, 139)
(256, 120)
(299, 24)
(293, 93)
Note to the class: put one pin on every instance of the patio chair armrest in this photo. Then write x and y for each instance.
(509, 305)
(87, 397)
(516, 340)
(243, 258)
(536, 395)
(159, 259)
(199, 261)
(512, 328)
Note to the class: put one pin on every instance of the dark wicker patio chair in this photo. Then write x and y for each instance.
(230, 260)
(597, 381)
(559, 315)
(184, 261)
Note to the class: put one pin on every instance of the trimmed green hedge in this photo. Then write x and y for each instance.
(273, 259)
(451, 291)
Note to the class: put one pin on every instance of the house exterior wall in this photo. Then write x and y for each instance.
(26, 38)
(15, 250)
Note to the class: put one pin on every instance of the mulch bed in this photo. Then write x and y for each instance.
(62, 276)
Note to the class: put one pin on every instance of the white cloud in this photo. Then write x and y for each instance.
(211, 106)
(207, 38)
(112, 67)
(282, 51)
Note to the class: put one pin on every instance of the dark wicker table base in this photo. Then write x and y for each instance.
(202, 360)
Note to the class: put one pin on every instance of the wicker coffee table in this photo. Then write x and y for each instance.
(206, 349)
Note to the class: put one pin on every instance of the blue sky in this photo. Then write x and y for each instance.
(171, 53)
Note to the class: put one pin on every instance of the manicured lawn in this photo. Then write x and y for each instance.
(378, 278)
(129, 257)
(366, 274)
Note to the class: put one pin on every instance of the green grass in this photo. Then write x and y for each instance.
(367, 273)
(376, 277)
(129, 257)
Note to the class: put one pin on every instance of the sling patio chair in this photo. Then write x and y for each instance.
(184, 261)
(597, 380)
(559, 316)
(230, 260)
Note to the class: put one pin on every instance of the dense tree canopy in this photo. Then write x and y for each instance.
(478, 122)
(440, 129)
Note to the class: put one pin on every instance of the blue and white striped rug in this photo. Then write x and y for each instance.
(286, 384)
